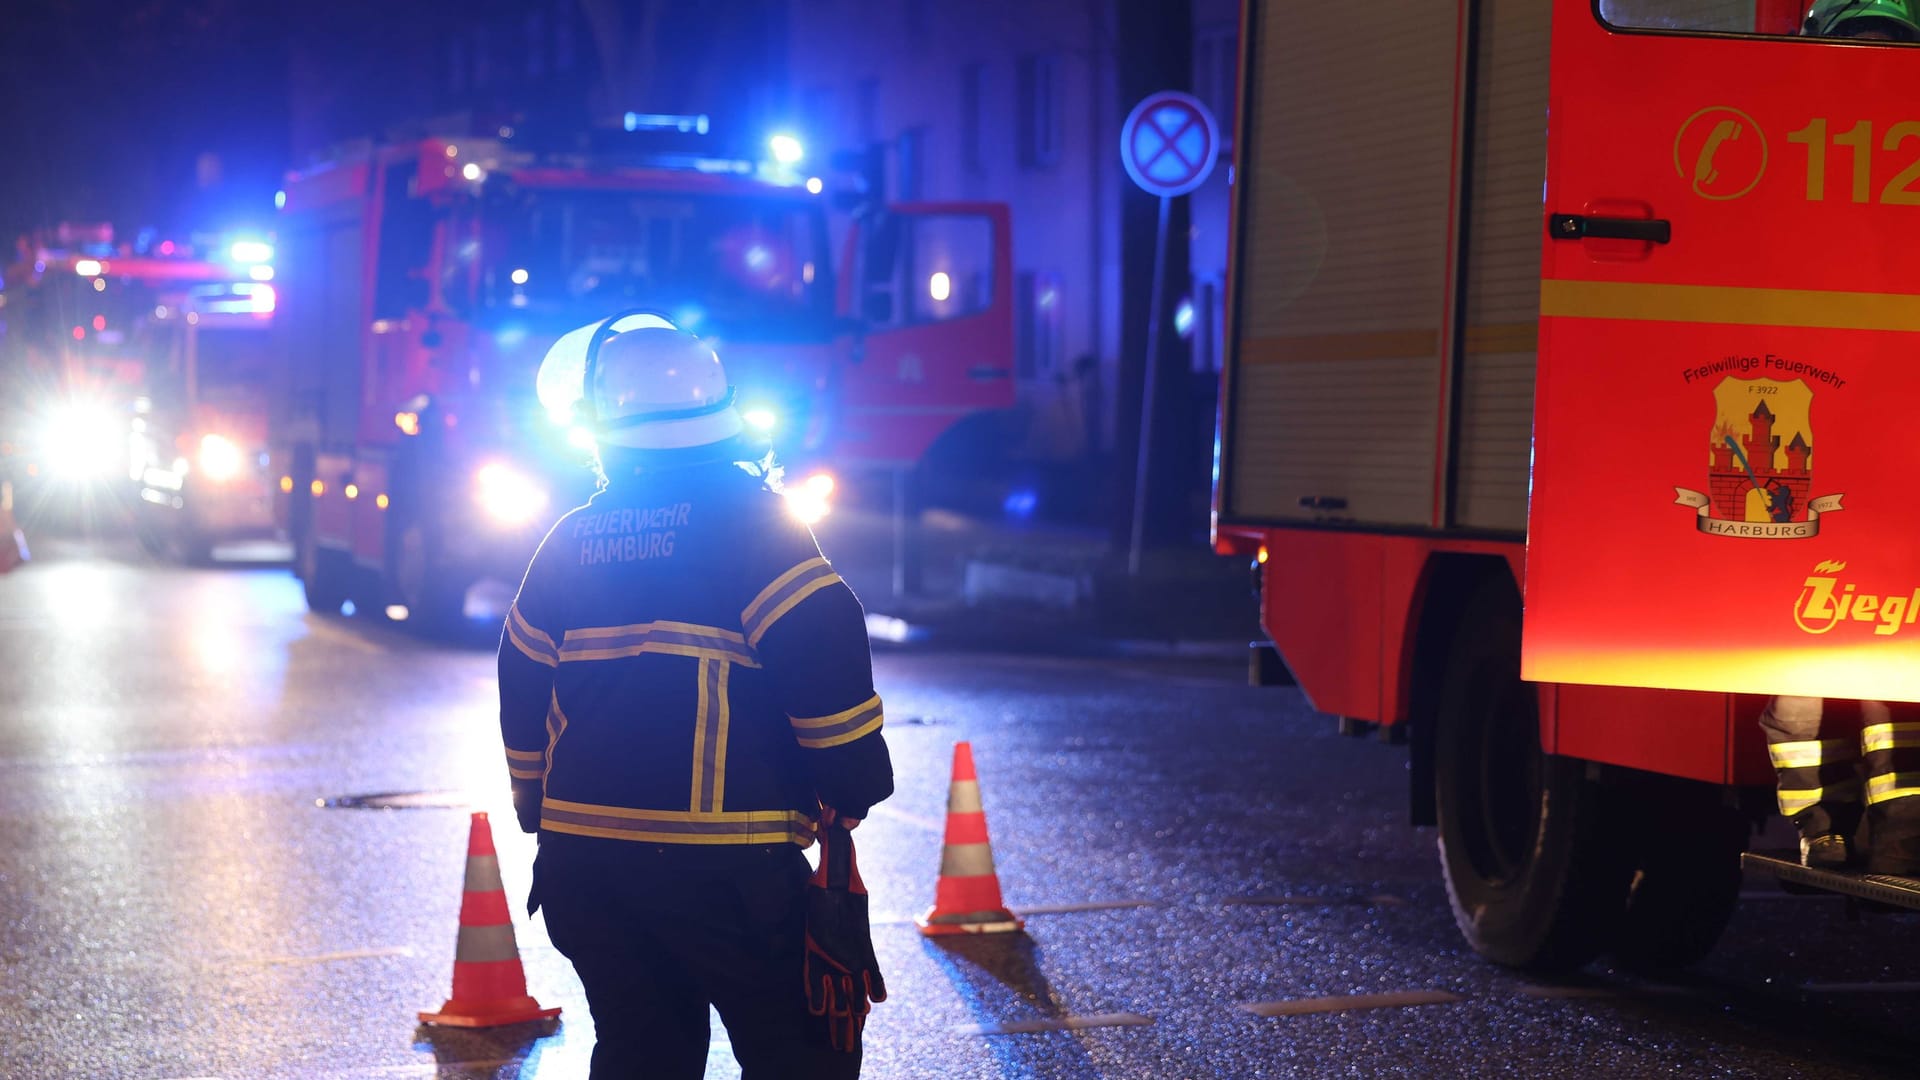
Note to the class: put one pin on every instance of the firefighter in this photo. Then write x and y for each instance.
(1811, 740)
(686, 690)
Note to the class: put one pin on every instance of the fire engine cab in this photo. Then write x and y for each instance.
(422, 282)
(1560, 331)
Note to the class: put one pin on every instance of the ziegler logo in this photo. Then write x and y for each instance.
(1825, 603)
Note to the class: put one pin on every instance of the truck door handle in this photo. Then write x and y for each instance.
(1322, 502)
(1582, 227)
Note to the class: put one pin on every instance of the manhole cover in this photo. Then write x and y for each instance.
(919, 721)
(396, 800)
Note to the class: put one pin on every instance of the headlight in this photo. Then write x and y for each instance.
(508, 496)
(220, 459)
(811, 499)
(81, 441)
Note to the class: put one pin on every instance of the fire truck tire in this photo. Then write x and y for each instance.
(1688, 879)
(433, 597)
(323, 576)
(1533, 869)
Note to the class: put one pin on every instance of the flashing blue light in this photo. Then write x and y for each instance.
(786, 149)
(279, 200)
(688, 317)
(758, 257)
(1183, 319)
(1020, 503)
(695, 124)
(509, 337)
(251, 251)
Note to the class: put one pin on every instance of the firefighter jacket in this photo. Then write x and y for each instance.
(681, 666)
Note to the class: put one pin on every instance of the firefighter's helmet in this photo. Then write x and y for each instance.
(1899, 19)
(638, 381)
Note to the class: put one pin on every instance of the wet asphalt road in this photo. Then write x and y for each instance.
(174, 904)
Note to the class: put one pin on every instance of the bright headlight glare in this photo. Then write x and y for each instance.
(812, 499)
(507, 495)
(764, 419)
(84, 440)
(220, 459)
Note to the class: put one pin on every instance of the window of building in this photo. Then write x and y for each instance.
(973, 92)
(1038, 117)
(912, 160)
(536, 44)
(866, 103)
(1039, 329)
(1216, 63)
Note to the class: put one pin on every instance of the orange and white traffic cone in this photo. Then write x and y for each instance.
(967, 898)
(489, 985)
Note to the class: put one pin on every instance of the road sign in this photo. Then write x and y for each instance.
(1168, 143)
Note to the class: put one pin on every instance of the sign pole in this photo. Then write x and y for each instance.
(1168, 146)
(1149, 379)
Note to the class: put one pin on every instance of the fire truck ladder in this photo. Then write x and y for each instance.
(1875, 889)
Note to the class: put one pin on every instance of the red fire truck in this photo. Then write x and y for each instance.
(1445, 397)
(122, 380)
(422, 282)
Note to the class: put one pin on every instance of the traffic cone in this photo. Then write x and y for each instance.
(489, 985)
(967, 898)
(13, 546)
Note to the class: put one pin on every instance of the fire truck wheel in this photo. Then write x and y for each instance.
(1688, 880)
(433, 598)
(323, 576)
(1532, 868)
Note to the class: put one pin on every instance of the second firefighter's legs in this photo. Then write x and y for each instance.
(1890, 737)
(1819, 777)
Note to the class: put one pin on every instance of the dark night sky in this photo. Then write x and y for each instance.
(105, 105)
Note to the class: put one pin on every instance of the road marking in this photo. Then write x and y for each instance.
(1097, 905)
(902, 816)
(1861, 987)
(1398, 999)
(1377, 900)
(1059, 1023)
(328, 958)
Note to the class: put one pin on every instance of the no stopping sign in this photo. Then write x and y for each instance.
(1168, 143)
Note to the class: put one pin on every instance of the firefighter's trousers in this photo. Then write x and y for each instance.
(657, 933)
(1820, 745)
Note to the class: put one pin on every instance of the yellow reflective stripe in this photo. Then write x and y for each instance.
(677, 826)
(1890, 786)
(1727, 304)
(703, 707)
(720, 738)
(1894, 736)
(556, 727)
(1796, 800)
(663, 636)
(526, 764)
(789, 604)
(752, 611)
(1800, 755)
(825, 742)
(527, 637)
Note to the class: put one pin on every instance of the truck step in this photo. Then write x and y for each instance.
(1899, 892)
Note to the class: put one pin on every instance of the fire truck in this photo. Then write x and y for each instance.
(421, 283)
(1532, 485)
(97, 378)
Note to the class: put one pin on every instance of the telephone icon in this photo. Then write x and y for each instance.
(1703, 171)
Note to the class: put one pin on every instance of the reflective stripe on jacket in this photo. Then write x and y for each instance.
(681, 666)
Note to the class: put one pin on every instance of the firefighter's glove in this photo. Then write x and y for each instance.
(527, 796)
(842, 976)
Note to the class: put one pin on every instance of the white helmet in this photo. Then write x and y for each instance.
(638, 381)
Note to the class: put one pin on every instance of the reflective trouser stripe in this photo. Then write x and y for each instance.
(485, 944)
(1890, 786)
(1796, 800)
(1893, 760)
(1814, 752)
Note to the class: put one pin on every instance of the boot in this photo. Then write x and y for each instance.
(1826, 835)
(1893, 843)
